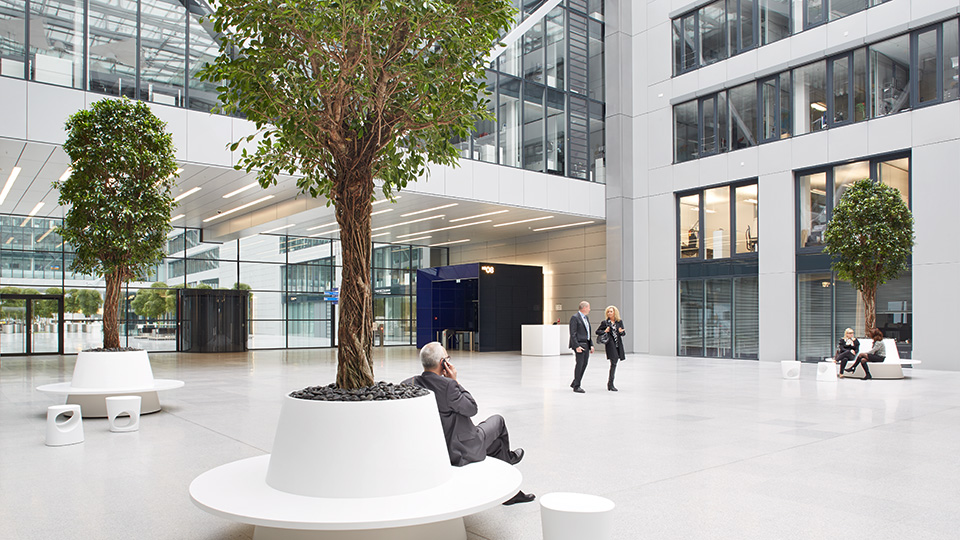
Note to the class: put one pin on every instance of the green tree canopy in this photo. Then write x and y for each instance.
(83, 301)
(155, 302)
(870, 236)
(118, 196)
(345, 92)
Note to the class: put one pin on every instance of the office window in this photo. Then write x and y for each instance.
(203, 48)
(813, 209)
(840, 70)
(743, 116)
(775, 107)
(691, 318)
(595, 67)
(896, 174)
(556, 49)
(814, 12)
(775, 22)
(12, 50)
(859, 85)
(510, 59)
(845, 176)
(112, 47)
(814, 309)
(163, 33)
(927, 71)
(810, 97)
(842, 8)
(685, 131)
(508, 117)
(718, 318)
(685, 44)
(689, 219)
(556, 132)
(56, 42)
(533, 127)
(716, 229)
(742, 23)
(485, 131)
(746, 317)
(747, 231)
(723, 221)
(598, 152)
(533, 53)
(890, 76)
(712, 32)
(951, 60)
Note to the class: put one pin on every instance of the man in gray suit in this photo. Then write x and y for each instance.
(581, 343)
(466, 443)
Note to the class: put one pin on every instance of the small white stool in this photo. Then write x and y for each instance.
(790, 369)
(123, 405)
(575, 516)
(64, 425)
(827, 370)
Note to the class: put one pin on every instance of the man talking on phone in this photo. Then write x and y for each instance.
(466, 442)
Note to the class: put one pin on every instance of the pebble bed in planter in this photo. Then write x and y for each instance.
(381, 391)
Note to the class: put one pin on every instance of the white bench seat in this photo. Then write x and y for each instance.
(890, 368)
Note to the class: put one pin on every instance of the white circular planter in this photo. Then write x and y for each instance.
(98, 375)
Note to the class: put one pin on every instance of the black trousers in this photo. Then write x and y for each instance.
(844, 357)
(581, 366)
(496, 439)
(613, 372)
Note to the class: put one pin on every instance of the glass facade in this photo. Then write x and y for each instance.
(825, 304)
(293, 283)
(901, 73)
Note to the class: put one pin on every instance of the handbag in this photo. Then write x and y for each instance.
(603, 338)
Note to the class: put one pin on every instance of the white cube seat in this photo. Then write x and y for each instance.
(790, 369)
(576, 516)
(119, 406)
(64, 425)
(827, 370)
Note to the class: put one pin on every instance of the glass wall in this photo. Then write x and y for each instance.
(293, 284)
(853, 86)
(817, 12)
(729, 215)
(718, 317)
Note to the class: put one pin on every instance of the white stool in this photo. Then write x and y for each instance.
(575, 516)
(64, 425)
(790, 369)
(123, 405)
(827, 370)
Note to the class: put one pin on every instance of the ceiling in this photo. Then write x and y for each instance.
(413, 218)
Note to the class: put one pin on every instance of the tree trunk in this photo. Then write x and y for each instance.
(355, 333)
(870, 307)
(111, 304)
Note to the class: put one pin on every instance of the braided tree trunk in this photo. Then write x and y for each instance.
(869, 294)
(111, 305)
(353, 192)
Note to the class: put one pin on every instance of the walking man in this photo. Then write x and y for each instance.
(581, 343)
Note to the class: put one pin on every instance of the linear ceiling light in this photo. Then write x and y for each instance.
(446, 228)
(14, 173)
(522, 221)
(44, 235)
(237, 209)
(409, 222)
(418, 238)
(479, 216)
(325, 233)
(32, 213)
(241, 190)
(66, 174)
(322, 226)
(429, 210)
(187, 193)
(177, 217)
(8, 240)
(384, 211)
(384, 200)
(450, 242)
(563, 226)
(378, 235)
(279, 228)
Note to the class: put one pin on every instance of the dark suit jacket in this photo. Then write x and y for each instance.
(456, 405)
(614, 346)
(579, 333)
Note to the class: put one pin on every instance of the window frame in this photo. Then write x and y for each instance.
(701, 216)
(915, 102)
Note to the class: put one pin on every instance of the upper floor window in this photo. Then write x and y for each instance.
(817, 12)
(719, 222)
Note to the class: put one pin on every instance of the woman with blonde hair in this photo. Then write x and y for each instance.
(846, 349)
(610, 333)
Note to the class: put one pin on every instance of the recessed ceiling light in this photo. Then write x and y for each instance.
(279, 228)
(479, 216)
(384, 211)
(523, 221)
(237, 209)
(44, 235)
(8, 240)
(177, 172)
(177, 217)
(418, 238)
(408, 222)
(32, 213)
(381, 201)
(187, 193)
(450, 242)
(14, 173)
(428, 210)
(66, 174)
(241, 190)
(563, 226)
(332, 223)
(378, 235)
(446, 228)
(325, 233)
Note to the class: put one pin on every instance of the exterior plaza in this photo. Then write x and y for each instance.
(679, 159)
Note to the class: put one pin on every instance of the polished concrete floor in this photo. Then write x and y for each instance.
(688, 449)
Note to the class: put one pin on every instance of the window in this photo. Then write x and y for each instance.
(56, 42)
(718, 223)
(775, 20)
(163, 62)
(595, 63)
(685, 131)
(813, 209)
(926, 66)
(890, 76)
(747, 230)
(12, 49)
(847, 74)
(689, 218)
(203, 48)
(690, 335)
(743, 116)
(713, 119)
(112, 47)
(712, 32)
(716, 229)
(508, 117)
(556, 132)
(533, 127)
(556, 49)
(598, 143)
(810, 97)
(820, 11)
(951, 60)
(485, 131)
(775, 103)
(685, 44)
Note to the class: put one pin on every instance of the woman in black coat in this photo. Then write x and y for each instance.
(847, 349)
(612, 326)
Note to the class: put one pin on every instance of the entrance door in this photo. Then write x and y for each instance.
(32, 324)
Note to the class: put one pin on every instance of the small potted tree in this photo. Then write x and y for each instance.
(118, 215)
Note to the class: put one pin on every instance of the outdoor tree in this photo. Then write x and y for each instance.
(870, 237)
(83, 301)
(118, 197)
(346, 92)
(155, 302)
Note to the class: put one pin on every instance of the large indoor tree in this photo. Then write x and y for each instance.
(347, 92)
(870, 236)
(117, 197)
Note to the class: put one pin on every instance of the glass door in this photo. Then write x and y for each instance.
(13, 314)
(46, 326)
(31, 324)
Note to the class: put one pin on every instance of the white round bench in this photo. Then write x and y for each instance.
(98, 375)
(576, 516)
(355, 471)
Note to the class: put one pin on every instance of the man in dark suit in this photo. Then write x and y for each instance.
(581, 343)
(466, 443)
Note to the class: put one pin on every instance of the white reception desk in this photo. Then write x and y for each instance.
(545, 340)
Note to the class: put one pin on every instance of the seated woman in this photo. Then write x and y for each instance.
(846, 349)
(877, 354)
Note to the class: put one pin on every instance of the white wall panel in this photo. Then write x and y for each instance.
(13, 108)
(936, 203)
(848, 142)
(176, 119)
(937, 123)
(775, 157)
(778, 309)
(208, 139)
(890, 133)
(47, 110)
(663, 317)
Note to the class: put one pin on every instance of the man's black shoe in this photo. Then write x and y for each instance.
(516, 456)
(579, 390)
(520, 497)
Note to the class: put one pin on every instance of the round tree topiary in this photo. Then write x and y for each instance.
(118, 196)
(870, 236)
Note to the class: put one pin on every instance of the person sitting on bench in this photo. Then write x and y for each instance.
(846, 349)
(877, 354)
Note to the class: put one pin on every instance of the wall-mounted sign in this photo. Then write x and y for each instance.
(487, 269)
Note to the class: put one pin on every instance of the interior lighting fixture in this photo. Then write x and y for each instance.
(563, 226)
(479, 216)
(44, 235)
(279, 228)
(710, 211)
(445, 228)
(817, 106)
(177, 172)
(325, 233)
(378, 235)
(411, 222)
(381, 201)
(237, 209)
(32, 213)
(177, 217)
(241, 190)
(751, 201)
(8, 240)
(450, 242)
(66, 174)
(522, 221)
(429, 210)
(187, 193)
(418, 238)
(818, 191)
(14, 173)
(332, 223)
(384, 211)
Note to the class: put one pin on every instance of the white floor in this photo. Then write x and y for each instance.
(688, 449)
